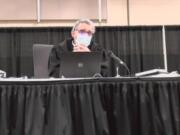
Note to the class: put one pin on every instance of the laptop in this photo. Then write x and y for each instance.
(80, 64)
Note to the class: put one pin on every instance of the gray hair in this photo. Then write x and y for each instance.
(87, 21)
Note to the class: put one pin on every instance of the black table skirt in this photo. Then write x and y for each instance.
(104, 106)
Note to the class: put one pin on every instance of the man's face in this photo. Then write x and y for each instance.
(81, 29)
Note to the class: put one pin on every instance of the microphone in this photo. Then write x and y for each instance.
(112, 55)
(119, 61)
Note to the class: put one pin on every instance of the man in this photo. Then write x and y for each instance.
(81, 41)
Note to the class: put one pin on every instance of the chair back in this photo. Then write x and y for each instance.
(40, 60)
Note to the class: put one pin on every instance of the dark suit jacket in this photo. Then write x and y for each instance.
(66, 46)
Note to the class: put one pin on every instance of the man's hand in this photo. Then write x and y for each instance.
(80, 48)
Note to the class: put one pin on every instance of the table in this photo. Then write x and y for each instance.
(91, 106)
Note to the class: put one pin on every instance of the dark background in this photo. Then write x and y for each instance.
(102, 106)
(139, 46)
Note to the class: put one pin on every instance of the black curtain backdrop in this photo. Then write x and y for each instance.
(173, 47)
(117, 106)
(140, 47)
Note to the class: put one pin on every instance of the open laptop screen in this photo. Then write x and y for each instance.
(80, 64)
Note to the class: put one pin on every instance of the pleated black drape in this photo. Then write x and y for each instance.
(16, 47)
(140, 47)
(52, 109)
(173, 47)
(142, 107)
(91, 107)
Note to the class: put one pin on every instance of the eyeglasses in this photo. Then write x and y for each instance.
(90, 33)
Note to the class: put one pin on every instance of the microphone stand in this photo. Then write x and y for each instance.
(117, 72)
(117, 69)
(119, 61)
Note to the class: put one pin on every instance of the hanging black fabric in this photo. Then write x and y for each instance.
(139, 46)
(173, 47)
(106, 106)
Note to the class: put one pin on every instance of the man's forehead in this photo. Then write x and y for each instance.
(85, 26)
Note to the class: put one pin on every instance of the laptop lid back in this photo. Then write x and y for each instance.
(80, 64)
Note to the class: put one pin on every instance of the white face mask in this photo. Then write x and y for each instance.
(84, 39)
